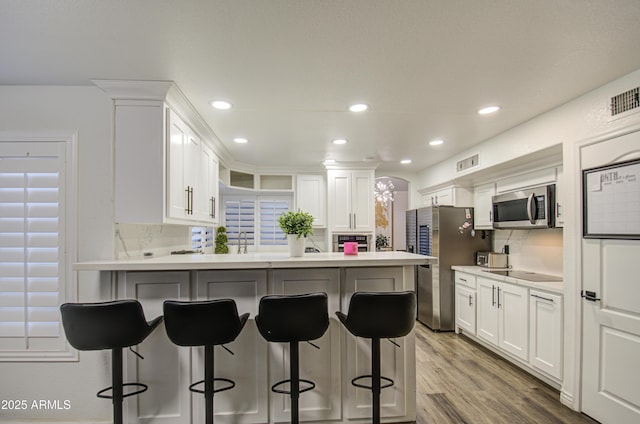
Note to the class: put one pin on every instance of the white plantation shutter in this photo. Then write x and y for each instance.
(240, 216)
(270, 232)
(32, 248)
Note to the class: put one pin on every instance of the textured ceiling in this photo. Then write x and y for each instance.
(292, 67)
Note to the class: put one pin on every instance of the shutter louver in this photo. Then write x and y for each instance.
(270, 232)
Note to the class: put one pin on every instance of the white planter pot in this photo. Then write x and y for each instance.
(296, 245)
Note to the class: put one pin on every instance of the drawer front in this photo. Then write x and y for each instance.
(467, 280)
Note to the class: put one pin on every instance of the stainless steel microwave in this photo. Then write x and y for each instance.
(531, 208)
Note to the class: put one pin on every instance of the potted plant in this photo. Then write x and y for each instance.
(297, 226)
(221, 240)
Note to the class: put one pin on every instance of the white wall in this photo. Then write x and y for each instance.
(87, 112)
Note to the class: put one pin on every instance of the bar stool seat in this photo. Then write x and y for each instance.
(205, 323)
(293, 319)
(375, 316)
(110, 325)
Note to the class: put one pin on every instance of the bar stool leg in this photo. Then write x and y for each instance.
(375, 379)
(116, 383)
(294, 372)
(208, 383)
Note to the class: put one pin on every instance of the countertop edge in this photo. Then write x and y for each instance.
(551, 286)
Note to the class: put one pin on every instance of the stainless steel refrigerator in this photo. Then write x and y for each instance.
(440, 231)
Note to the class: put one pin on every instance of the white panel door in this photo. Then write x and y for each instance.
(177, 194)
(513, 318)
(168, 399)
(340, 200)
(323, 365)
(545, 332)
(611, 324)
(487, 318)
(482, 212)
(311, 197)
(362, 201)
(247, 402)
(465, 309)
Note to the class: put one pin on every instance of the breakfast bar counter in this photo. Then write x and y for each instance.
(256, 365)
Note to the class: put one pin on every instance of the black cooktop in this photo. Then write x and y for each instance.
(526, 275)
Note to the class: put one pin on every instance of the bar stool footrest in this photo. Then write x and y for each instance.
(230, 386)
(143, 387)
(311, 386)
(389, 382)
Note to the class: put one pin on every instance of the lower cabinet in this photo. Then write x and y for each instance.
(503, 316)
(394, 359)
(545, 328)
(256, 365)
(524, 322)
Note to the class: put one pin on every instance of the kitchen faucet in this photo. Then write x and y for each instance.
(245, 241)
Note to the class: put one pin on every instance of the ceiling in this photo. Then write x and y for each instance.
(291, 67)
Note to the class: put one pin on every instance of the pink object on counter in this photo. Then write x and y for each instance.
(350, 248)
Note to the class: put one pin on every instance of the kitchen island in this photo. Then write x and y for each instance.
(256, 365)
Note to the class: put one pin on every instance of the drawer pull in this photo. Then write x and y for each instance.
(543, 298)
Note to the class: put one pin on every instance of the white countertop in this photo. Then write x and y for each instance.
(256, 261)
(550, 286)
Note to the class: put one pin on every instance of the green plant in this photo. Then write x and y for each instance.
(299, 223)
(382, 241)
(221, 240)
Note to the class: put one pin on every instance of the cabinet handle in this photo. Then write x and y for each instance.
(191, 202)
(470, 301)
(493, 295)
(213, 207)
(543, 298)
(462, 279)
(558, 212)
(188, 192)
(498, 297)
(490, 215)
(350, 220)
(354, 222)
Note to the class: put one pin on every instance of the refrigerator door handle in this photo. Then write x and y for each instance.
(493, 295)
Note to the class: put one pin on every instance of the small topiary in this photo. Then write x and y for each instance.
(221, 240)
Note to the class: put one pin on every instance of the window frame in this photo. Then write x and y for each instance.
(69, 287)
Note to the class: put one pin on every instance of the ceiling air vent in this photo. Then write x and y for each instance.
(625, 102)
(467, 163)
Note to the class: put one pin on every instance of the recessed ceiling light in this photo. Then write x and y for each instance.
(221, 104)
(489, 109)
(436, 142)
(240, 140)
(405, 161)
(339, 141)
(358, 107)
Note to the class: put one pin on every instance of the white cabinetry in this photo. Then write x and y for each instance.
(465, 302)
(448, 196)
(311, 196)
(503, 316)
(483, 207)
(350, 200)
(160, 171)
(560, 193)
(395, 359)
(545, 327)
(322, 365)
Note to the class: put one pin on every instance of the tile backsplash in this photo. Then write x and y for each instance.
(538, 250)
(133, 240)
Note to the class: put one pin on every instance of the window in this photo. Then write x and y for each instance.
(201, 238)
(258, 217)
(34, 254)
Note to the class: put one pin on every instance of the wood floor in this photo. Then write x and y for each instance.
(458, 381)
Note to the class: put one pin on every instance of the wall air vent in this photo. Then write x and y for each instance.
(467, 163)
(625, 102)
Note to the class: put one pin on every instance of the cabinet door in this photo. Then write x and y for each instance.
(168, 399)
(513, 332)
(207, 189)
(545, 328)
(487, 318)
(177, 196)
(311, 197)
(482, 212)
(248, 401)
(191, 176)
(465, 309)
(398, 363)
(323, 365)
(340, 200)
(444, 197)
(362, 201)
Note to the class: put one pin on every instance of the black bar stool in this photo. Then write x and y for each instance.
(205, 323)
(109, 325)
(377, 315)
(293, 319)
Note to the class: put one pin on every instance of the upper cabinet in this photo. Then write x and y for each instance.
(311, 197)
(164, 171)
(448, 196)
(482, 206)
(350, 200)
